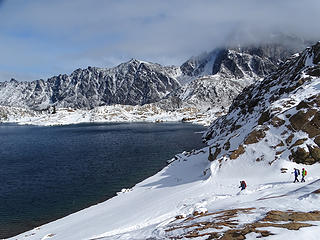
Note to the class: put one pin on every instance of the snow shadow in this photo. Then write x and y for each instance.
(178, 174)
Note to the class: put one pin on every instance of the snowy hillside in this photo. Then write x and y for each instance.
(284, 107)
(271, 128)
(114, 113)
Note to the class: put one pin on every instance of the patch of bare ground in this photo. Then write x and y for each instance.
(224, 225)
(317, 191)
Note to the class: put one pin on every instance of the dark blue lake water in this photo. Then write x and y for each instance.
(49, 172)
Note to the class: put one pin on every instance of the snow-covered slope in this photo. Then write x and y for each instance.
(194, 198)
(180, 201)
(283, 107)
(114, 113)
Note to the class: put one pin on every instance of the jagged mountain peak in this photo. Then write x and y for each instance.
(238, 59)
(134, 82)
(137, 82)
(277, 118)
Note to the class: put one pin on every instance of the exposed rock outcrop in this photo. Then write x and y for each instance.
(284, 106)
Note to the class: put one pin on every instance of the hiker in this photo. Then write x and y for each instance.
(243, 185)
(296, 174)
(304, 173)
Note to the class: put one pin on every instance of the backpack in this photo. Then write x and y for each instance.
(244, 184)
(305, 172)
(298, 171)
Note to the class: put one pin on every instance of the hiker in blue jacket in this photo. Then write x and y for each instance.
(296, 174)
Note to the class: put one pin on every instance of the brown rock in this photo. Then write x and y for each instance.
(255, 136)
(281, 144)
(300, 155)
(301, 105)
(226, 146)
(316, 191)
(196, 213)
(317, 140)
(289, 139)
(290, 128)
(265, 116)
(316, 100)
(279, 152)
(315, 153)
(314, 71)
(313, 127)
(234, 127)
(236, 153)
(298, 142)
(216, 153)
(301, 118)
(309, 161)
(277, 122)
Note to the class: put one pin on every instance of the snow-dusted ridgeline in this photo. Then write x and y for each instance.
(199, 90)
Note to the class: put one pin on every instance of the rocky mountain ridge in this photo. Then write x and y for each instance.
(283, 107)
(134, 83)
(219, 76)
(207, 82)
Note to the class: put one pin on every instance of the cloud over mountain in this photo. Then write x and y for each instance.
(41, 38)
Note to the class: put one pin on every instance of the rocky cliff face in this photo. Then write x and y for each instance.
(216, 78)
(242, 61)
(275, 118)
(133, 83)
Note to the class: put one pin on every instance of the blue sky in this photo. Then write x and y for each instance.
(42, 38)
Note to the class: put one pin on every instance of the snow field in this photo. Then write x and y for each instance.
(181, 188)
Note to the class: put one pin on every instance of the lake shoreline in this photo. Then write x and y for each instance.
(20, 137)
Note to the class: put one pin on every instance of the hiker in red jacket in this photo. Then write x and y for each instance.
(243, 185)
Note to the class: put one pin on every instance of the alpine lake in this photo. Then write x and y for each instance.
(47, 173)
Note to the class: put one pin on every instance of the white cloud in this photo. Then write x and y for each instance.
(60, 36)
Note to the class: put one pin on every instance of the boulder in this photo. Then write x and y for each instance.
(299, 119)
(289, 139)
(300, 155)
(298, 142)
(277, 122)
(236, 153)
(301, 105)
(309, 161)
(255, 136)
(315, 153)
(317, 140)
(216, 153)
(265, 116)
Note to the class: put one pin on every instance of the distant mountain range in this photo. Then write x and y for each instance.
(211, 80)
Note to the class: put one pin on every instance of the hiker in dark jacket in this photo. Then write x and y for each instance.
(243, 185)
(296, 174)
